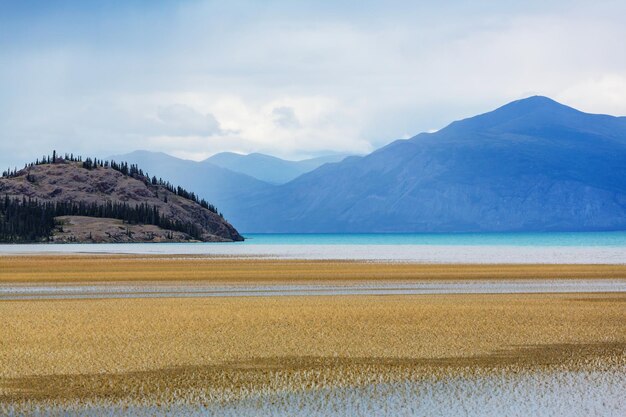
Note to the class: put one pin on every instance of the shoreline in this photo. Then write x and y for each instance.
(428, 254)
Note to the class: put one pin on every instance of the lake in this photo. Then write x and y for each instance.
(551, 248)
(453, 239)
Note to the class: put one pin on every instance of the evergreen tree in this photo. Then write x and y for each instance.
(28, 220)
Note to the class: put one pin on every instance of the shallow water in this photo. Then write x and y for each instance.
(555, 393)
(364, 252)
(68, 291)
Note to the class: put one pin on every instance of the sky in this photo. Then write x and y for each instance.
(294, 79)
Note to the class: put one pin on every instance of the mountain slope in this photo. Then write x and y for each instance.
(269, 168)
(220, 186)
(531, 165)
(75, 190)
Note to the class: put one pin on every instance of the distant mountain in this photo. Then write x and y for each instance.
(269, 168)
(67, 200)
(221, 186)
(531, 165)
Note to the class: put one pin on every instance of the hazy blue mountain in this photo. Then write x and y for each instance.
(222, 187)
(531, 165)
(269, 168)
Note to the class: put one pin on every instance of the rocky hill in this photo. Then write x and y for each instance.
(94, 201)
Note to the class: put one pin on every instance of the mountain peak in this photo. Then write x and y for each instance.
(531, 165)
(527, 112)
(537, 99)
(535, 103)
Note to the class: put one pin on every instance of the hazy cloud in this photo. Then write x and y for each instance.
(285, 117)
(182, 120)
(292, 79)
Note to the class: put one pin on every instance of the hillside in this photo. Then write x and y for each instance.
(129, 206)
(221, 186)
(531, 165)
(226, 178)
(269, 168)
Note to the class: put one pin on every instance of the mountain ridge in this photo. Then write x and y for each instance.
(531, 165)
(269, 168)
(223, 187)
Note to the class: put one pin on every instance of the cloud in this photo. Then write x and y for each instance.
(292, 79)
(285, 117)
(182, 120)
(603, 94)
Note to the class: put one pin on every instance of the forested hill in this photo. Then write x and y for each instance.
(68, 199)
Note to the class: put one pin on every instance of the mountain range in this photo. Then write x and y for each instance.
(225, 179)
(269, 168)
(531, 165)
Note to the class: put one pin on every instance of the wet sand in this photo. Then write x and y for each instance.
(555, 393)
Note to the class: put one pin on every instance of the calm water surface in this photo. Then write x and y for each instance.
(469, 239)
(597, 247)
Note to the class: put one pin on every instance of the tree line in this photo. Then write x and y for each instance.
(129, 170)
(24, 220)
(28, 220)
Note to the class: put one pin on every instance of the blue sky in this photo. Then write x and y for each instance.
(293, 79)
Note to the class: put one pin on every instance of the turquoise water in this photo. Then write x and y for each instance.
(550, 248)
(447, 239)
